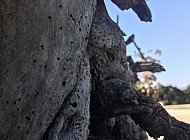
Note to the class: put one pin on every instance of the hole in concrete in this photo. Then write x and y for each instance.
(49, 17)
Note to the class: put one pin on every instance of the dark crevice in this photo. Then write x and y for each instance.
(42, 47)
(53, 124)
(27, 118)
(64, 83)
(74, 104)
(73, 19)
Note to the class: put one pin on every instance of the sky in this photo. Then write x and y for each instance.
(169, 32)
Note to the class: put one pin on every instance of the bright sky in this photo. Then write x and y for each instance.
(169, 32)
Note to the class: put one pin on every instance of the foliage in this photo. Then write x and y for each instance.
(168, 95)
(148, 85)
(187, 90)
(147, 82)
(172, 95)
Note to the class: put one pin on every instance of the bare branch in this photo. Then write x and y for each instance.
(144, 66)
(139, 7)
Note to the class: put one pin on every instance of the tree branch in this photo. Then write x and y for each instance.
(139, 7)
(116, 97)
(144, 66)
(113, 93)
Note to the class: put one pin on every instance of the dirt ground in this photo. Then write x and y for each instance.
(180, 112)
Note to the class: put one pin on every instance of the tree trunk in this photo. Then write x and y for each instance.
(113, 93)
(62, 64)
(45, 74)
